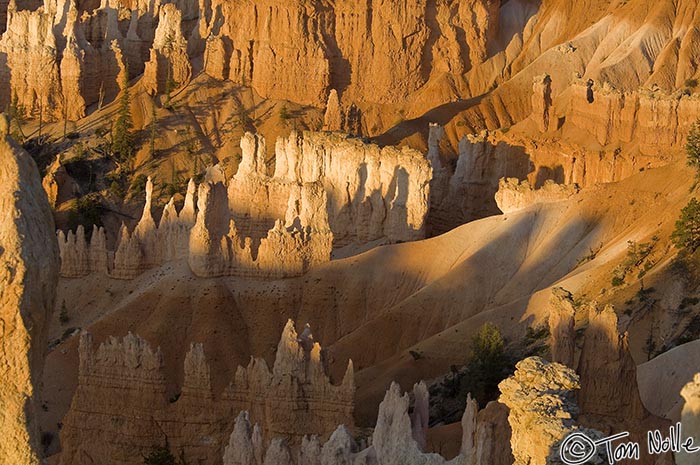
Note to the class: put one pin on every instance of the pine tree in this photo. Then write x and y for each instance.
(123, 137)
(692, 146)
(686, 235)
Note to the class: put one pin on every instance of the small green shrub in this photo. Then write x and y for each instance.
(692, 145)
(536, 340)
(488, 365)
(87, 210)
(63, 314)
(160, 456)
(101, 131)
(284, 113)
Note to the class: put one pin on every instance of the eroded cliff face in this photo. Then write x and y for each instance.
(121, 411)
(396, 440)
(609, 397)
(327, 191)
(29, 264)
(335, 46)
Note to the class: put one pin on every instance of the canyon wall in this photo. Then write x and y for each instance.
(327, 191)
(247, 43)
(585, 135)
(120, 411)
(28, 277)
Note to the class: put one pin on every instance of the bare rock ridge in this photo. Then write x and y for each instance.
(29, 264)
(541, 410)
(120, 410)
(327, 191)
(393, 441)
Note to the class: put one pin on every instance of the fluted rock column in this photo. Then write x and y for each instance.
(29, 267)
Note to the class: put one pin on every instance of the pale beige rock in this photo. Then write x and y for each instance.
(187, 215)
(129, 257)
(310, 451)
(690, 418)
(78, 258)
(469, 430)
(97, 251)
(278, 453)
(541, 399)
(240, 447)
(387, 190)
(206, 257)
(333, 117)
(514, 195)
(392, 440)
(338, 450)
(542, 102)
(287, 215)
(420, 417)
(28, 277)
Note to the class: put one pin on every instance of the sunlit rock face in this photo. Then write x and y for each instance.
(327, 191)
(28, 276)
(541, 399)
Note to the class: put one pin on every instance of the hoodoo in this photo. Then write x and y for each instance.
(28, 276)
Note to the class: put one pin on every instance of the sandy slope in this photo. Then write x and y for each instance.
(676, 368)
